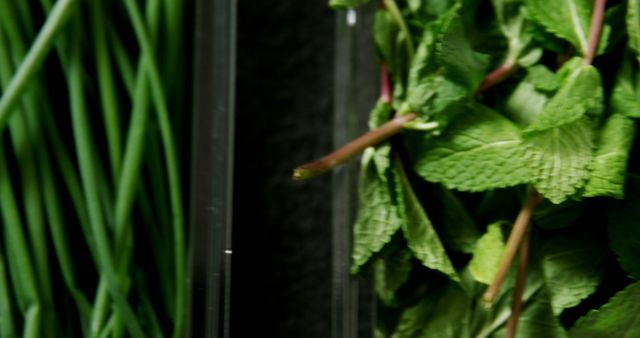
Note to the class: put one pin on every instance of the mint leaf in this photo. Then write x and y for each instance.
(536, 320)
(391, 45)
(580, 93)
(567, 19)
(571, 267)
(378, 215)
(527, 101)
(609, 169)
(624, 232)
(445, 69)
(542, 78)
(385, 36)
(625, 97)
(633, 26)
(560, 159)
(461, 63)
(556, 216)
(421, 237)
(487, 255)
(480, 150)
(342, 4)
(459, 231)
(618, 318)
(435, 94)
(512, 23)
(391, 271)
(442, 314)
(380, 114)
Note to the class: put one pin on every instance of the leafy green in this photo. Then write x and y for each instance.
(568, 19)
(460, 62)
(624, 232)
(528, 99)
(445, 69)
(380, 114)
(441, 315)
(459, 231)
(618, 318)
(513, 25)
(421, 237)
(580, 93)
(542, 78)
(391, 44)
(556, 216)
(391, 271)
(560, 159)
(536, 320)
(481, 150)
(609, 169)
(341, 4)
(624, 98)
(572, 270)
(633, 26)
(379, 215)
(487, 255)
(479, 147)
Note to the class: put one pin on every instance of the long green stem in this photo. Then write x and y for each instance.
(393, 9)
(22, 139)
(83, 137)
(7, 328)
(34, 58)
(20, 263)
(172, 168)
(107, 90)
(33, 323)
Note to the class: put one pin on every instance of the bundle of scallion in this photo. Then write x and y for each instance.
(92, 235)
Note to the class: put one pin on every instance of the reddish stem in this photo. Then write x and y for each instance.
(497, 76)
(385, 131)
(518, 292)
(352, 148)
(595, 30)
(386, 92)
(515, 238)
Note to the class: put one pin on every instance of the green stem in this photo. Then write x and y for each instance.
(7, 328)
(83, 137)
(33, 323)
(100, 306)
(23, 139)
(107, 90)
(393, 9)
(172, 168)
(34, 58)
(19, 258)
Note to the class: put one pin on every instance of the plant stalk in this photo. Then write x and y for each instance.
(496, 76)
(521, 281)
(595, 30)
(385, 131)
(515, 238)
(352, 148)
(386, 92)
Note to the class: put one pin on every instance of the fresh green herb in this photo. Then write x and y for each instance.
(79, 163)
(558, 143)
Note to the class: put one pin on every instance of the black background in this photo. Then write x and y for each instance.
(281, 270)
